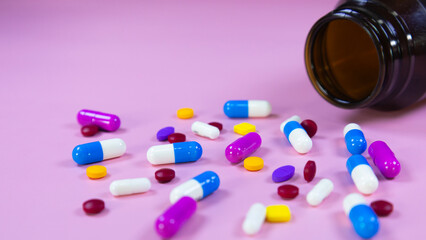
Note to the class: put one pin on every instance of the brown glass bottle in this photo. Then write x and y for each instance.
(370, 53)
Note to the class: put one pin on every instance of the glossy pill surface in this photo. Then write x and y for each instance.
(180, 152)
(319, 192)
(172, 220)
(384, 159)
(283, 173)
(197, 188)
(310, 127)
(185, 113)
(288, 191)
(105, 121)
(243, 147)
(309, 171)
(253, 163)
(89, 130)
(164, 175)
(93, 206)
(278, 213)
(205, 130)
(98, 151)
(354, 138)
(164, 133)
(129, 186)
(176, 137)
(382, 208)
(254, 219)
(247, 108)
(96, 171)
(244, 128)
(296, 135)
(362, 174)
(217, 124)
(363, 218)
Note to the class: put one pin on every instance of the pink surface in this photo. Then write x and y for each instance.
(143, 61)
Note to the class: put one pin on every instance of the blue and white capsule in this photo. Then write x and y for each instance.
(247, 108)
(180, 152)
(98, 151)
(362, 174)
(197, 188)
(354, 138)
(362, 216)
(296, 134)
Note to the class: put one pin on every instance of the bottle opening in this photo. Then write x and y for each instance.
(343, 62)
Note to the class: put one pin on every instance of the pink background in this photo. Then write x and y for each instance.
(144, 60)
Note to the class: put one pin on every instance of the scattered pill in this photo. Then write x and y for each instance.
(384, 159)
(363, 218)
(176, 137)
(185, 113)
(197, 188)
(164, 133)
(243, 147)
(216, 124)
(278, 213)
(296, 135)
(309, 171)
(283, 173)
(180, 152)
(247, 108)
(105, 121)
(129, 186)
(354, 138)
(244, 128)
(96, 171)
(382, 208)
(164, 175)
(310, 127)
(172, 220)
(319, 192)
(98, 151)
(292, 118)
(253, 163)
(362, 174)
(89, 130)
(255, 217)
(93, 206)
(288, 191)
(205, 130)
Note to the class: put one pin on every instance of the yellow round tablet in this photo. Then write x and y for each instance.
(253, 163)
(96, 171)
(185, 113)
(278, 213)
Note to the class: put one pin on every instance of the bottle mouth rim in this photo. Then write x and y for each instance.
(373, 30)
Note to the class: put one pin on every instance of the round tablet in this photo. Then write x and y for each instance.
(310, 127)
(288, 191)
(93, 206)
(96, 171)
(185, 113)
(164, 175)
(176, 137)
(89, 130)
(309, 170)
(217, 124)
(382, 208)
(253, 163)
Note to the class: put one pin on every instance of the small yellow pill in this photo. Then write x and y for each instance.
(96, 171)
(244, 128)
(185, 113)
(253, 163)
(278, 213)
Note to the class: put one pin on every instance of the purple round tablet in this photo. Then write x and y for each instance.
(164, 133)
(283, 173)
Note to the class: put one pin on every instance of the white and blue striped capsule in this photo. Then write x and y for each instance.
(247, 108)
(197, 188)
(362, 216)
(179, 152)
(362, 174)
(98, 151)
(354, 138)
(296, 134)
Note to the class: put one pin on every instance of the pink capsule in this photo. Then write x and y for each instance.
(384, 159)
(105, 121)
(243, 147)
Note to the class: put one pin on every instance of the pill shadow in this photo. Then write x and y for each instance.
(292, 180)
(149, 193)
(213, 200)
(68, 163)
(83, 176)
(125, 157)
(262, 152)
(190, 228)
(343, 226)
(341, 149)
(80, 212)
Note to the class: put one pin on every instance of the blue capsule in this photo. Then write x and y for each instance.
(197, 188)
(98, 151)
(247, 108)
(180, 152)
(362, 216)
(296, 135)
(354, 138)
(362, 174)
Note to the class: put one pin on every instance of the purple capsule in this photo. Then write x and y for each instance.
(283, 173)
(163, 134)
(243, 147)
(169, 223)
(384, 159)
(105, 121)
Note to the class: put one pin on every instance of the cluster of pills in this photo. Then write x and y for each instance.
(184, 197)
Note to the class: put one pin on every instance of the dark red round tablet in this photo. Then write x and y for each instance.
(216, 124)
(382, 208)
(89, 130)
(288, 191)
(309, 171)
(164, 175)
(176, 137)
(310, 127)
(93, 206)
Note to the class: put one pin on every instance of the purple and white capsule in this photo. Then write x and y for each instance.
(296, 134)
(362, 174)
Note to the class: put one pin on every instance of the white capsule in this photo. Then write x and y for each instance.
(191, 188)
(293, 118)
(319, 192)
(129, 186)
(254, 219)
(205, 130)
(259, 108)
(300, 140)
(351, 201)
(364, 178)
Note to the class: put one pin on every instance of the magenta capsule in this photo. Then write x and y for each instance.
(384, 159)
(105, 121)
(243, 147)
(169, 223)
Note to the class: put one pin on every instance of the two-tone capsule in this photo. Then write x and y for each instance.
(179, 152)
(247, 108)
(205, 130)
(243, 147)
(197, 188)
(354, 138)
(296, 135)
(362, 174)
(384, 159)
(98, 151)
(363, 218)
(319, 192)
(105, 121)
(255, 217)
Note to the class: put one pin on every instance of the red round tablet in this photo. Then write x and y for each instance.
(176, 137)
(93, 206)
(164, 175)
(288, 191)
(310, 127)
(89, 130)
(216, 124)
(382, 208)
(309, 171)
